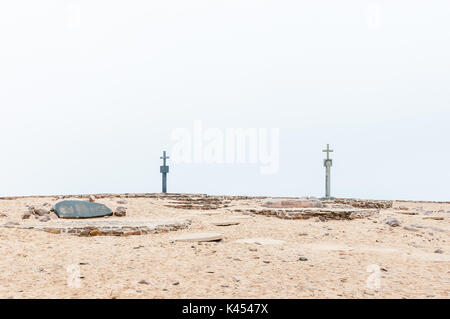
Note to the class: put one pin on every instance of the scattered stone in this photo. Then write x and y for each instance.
(92, 198)
(392, 222)
(253, 249)
(260, 241)
(122, 202)
(225, 223)
(199, 237)
(434, 217)
(410, 228)
(10, 224)
(40, 211)
(438, 251)
(143, 282)
(95, 232)
(44, 218)
(236, 278)
(3, 215)
(303, 259)
(266, 261)
(120, 211)
(408, 213)
(26, 215)
(176, 283)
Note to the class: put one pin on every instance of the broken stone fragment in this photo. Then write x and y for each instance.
(198, 237)
(26, 215)
(40, 211)
(120, 211)
(92, 198)
(44, 218)
(392, 222)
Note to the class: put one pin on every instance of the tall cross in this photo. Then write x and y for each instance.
(328, 162)
(164, 169)
(328, 151)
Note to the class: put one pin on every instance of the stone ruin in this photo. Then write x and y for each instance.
(87, 228)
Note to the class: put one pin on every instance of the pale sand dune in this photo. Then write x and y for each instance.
(36, 264)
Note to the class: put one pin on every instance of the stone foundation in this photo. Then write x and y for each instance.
(102, 227)
(322, 213)
(362, 203)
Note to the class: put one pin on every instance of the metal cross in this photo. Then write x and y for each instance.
(328, 151)
(164, 169)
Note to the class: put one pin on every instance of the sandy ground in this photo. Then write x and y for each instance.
(339, 256)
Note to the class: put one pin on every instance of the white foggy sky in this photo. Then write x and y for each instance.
(90, 92)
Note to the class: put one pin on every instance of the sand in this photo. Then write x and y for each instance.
(311, 258)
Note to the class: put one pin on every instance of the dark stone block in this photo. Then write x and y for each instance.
(81, 209)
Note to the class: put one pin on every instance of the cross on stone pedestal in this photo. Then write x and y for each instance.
(164, 169)
(328, 162)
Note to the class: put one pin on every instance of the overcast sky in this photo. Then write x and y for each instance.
(91, 93)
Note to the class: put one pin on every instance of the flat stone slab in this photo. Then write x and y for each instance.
(200, 237)
(226, 223)
(260, 241)
(293, 203)
(102, 227)
(81, 209)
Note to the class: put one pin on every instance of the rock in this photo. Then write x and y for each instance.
(199, 237)
(176, 283)
(95, 232)
(236, 278)
(44, 218)
(26, 215)
(41, 211)
(410, 228)
(143, 282)
(438, 251)
(122, 202)
(3, 215)
(120, 211)
(392, 222)
(11, 224)
(92, 198)
(81, 209)
(225, 223)
(303, 259)
(260, 241)
(434, 217)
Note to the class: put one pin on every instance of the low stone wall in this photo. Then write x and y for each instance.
(102, 227)
(321, 213)
(362, 203)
